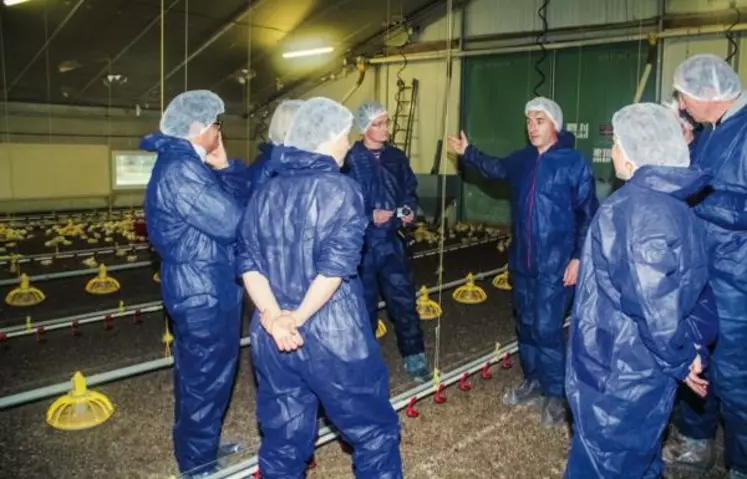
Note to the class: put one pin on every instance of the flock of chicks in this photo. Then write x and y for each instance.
(467, 232)
(64, 234)
(469, 292)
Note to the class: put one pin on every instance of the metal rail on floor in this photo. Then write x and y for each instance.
(98, 316)
(76, 272)
(408, 398)
(81, 319)
(141, 264)
(77, 253)
(55, 217)
(326, 434)
(154, 365)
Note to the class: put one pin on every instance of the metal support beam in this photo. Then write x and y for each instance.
(44, 47)
(156, 20)
(421, 13)
(235, 18)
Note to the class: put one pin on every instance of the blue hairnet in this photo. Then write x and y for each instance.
(707, 77)
(548, 107)
(367, 113)
(318, 121)
(282, 118)
(191, 113)
(650, 134)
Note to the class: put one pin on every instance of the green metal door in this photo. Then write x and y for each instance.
(589, 83)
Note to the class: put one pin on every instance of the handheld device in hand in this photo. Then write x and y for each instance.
(403, 211)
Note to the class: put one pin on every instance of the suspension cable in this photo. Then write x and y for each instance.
(444, 159)
(162, 58)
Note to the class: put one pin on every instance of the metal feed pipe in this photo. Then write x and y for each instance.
(76, 253)
(154, 365)
(671, 33)
(81, 319)
(141, 264)
(152, 306)
(76, 272)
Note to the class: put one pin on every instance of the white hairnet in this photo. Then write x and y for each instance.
(650, 134)
(549, 108)
(318, 121)
(191, 113)
(706, 77)
(367, 113)
(282, 118)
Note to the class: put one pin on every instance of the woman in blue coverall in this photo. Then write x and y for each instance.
(644, 314)
(193, 205)
(299, 250)
(259, 173)
(553, 198)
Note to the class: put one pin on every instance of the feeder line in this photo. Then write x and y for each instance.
(154, 365)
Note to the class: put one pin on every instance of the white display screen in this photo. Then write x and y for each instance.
(132, 169)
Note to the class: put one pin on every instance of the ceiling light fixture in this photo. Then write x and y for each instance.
(308, 53)
(10, 3)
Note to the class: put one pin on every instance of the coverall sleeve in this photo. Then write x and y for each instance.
(704, 318)
(585, 204)
(342, 226)
(247, 244)
(490, 166)
(727, 209)
(704, 322)
(411, 189)
(651, 290)
(204, 205)
(350, 169)
(236, 179)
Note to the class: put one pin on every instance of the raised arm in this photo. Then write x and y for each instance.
(203, 203)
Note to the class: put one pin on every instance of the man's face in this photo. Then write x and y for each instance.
(623, 168)
(697, 109)
(540, 129)
(378, 132)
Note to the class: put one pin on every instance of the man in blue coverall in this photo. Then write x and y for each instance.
(193, 206)
(553, 199)
(711, 93)
(390, 192)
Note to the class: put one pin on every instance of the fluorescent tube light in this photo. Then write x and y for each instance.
(308, 53)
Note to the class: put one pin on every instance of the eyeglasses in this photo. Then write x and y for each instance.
(219, 124)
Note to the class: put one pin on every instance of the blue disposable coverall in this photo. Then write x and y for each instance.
(553, 199)
(192, 214)
(388, 183)
(308, 221)
(720, 151)
(258, 171)
(642, 304)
